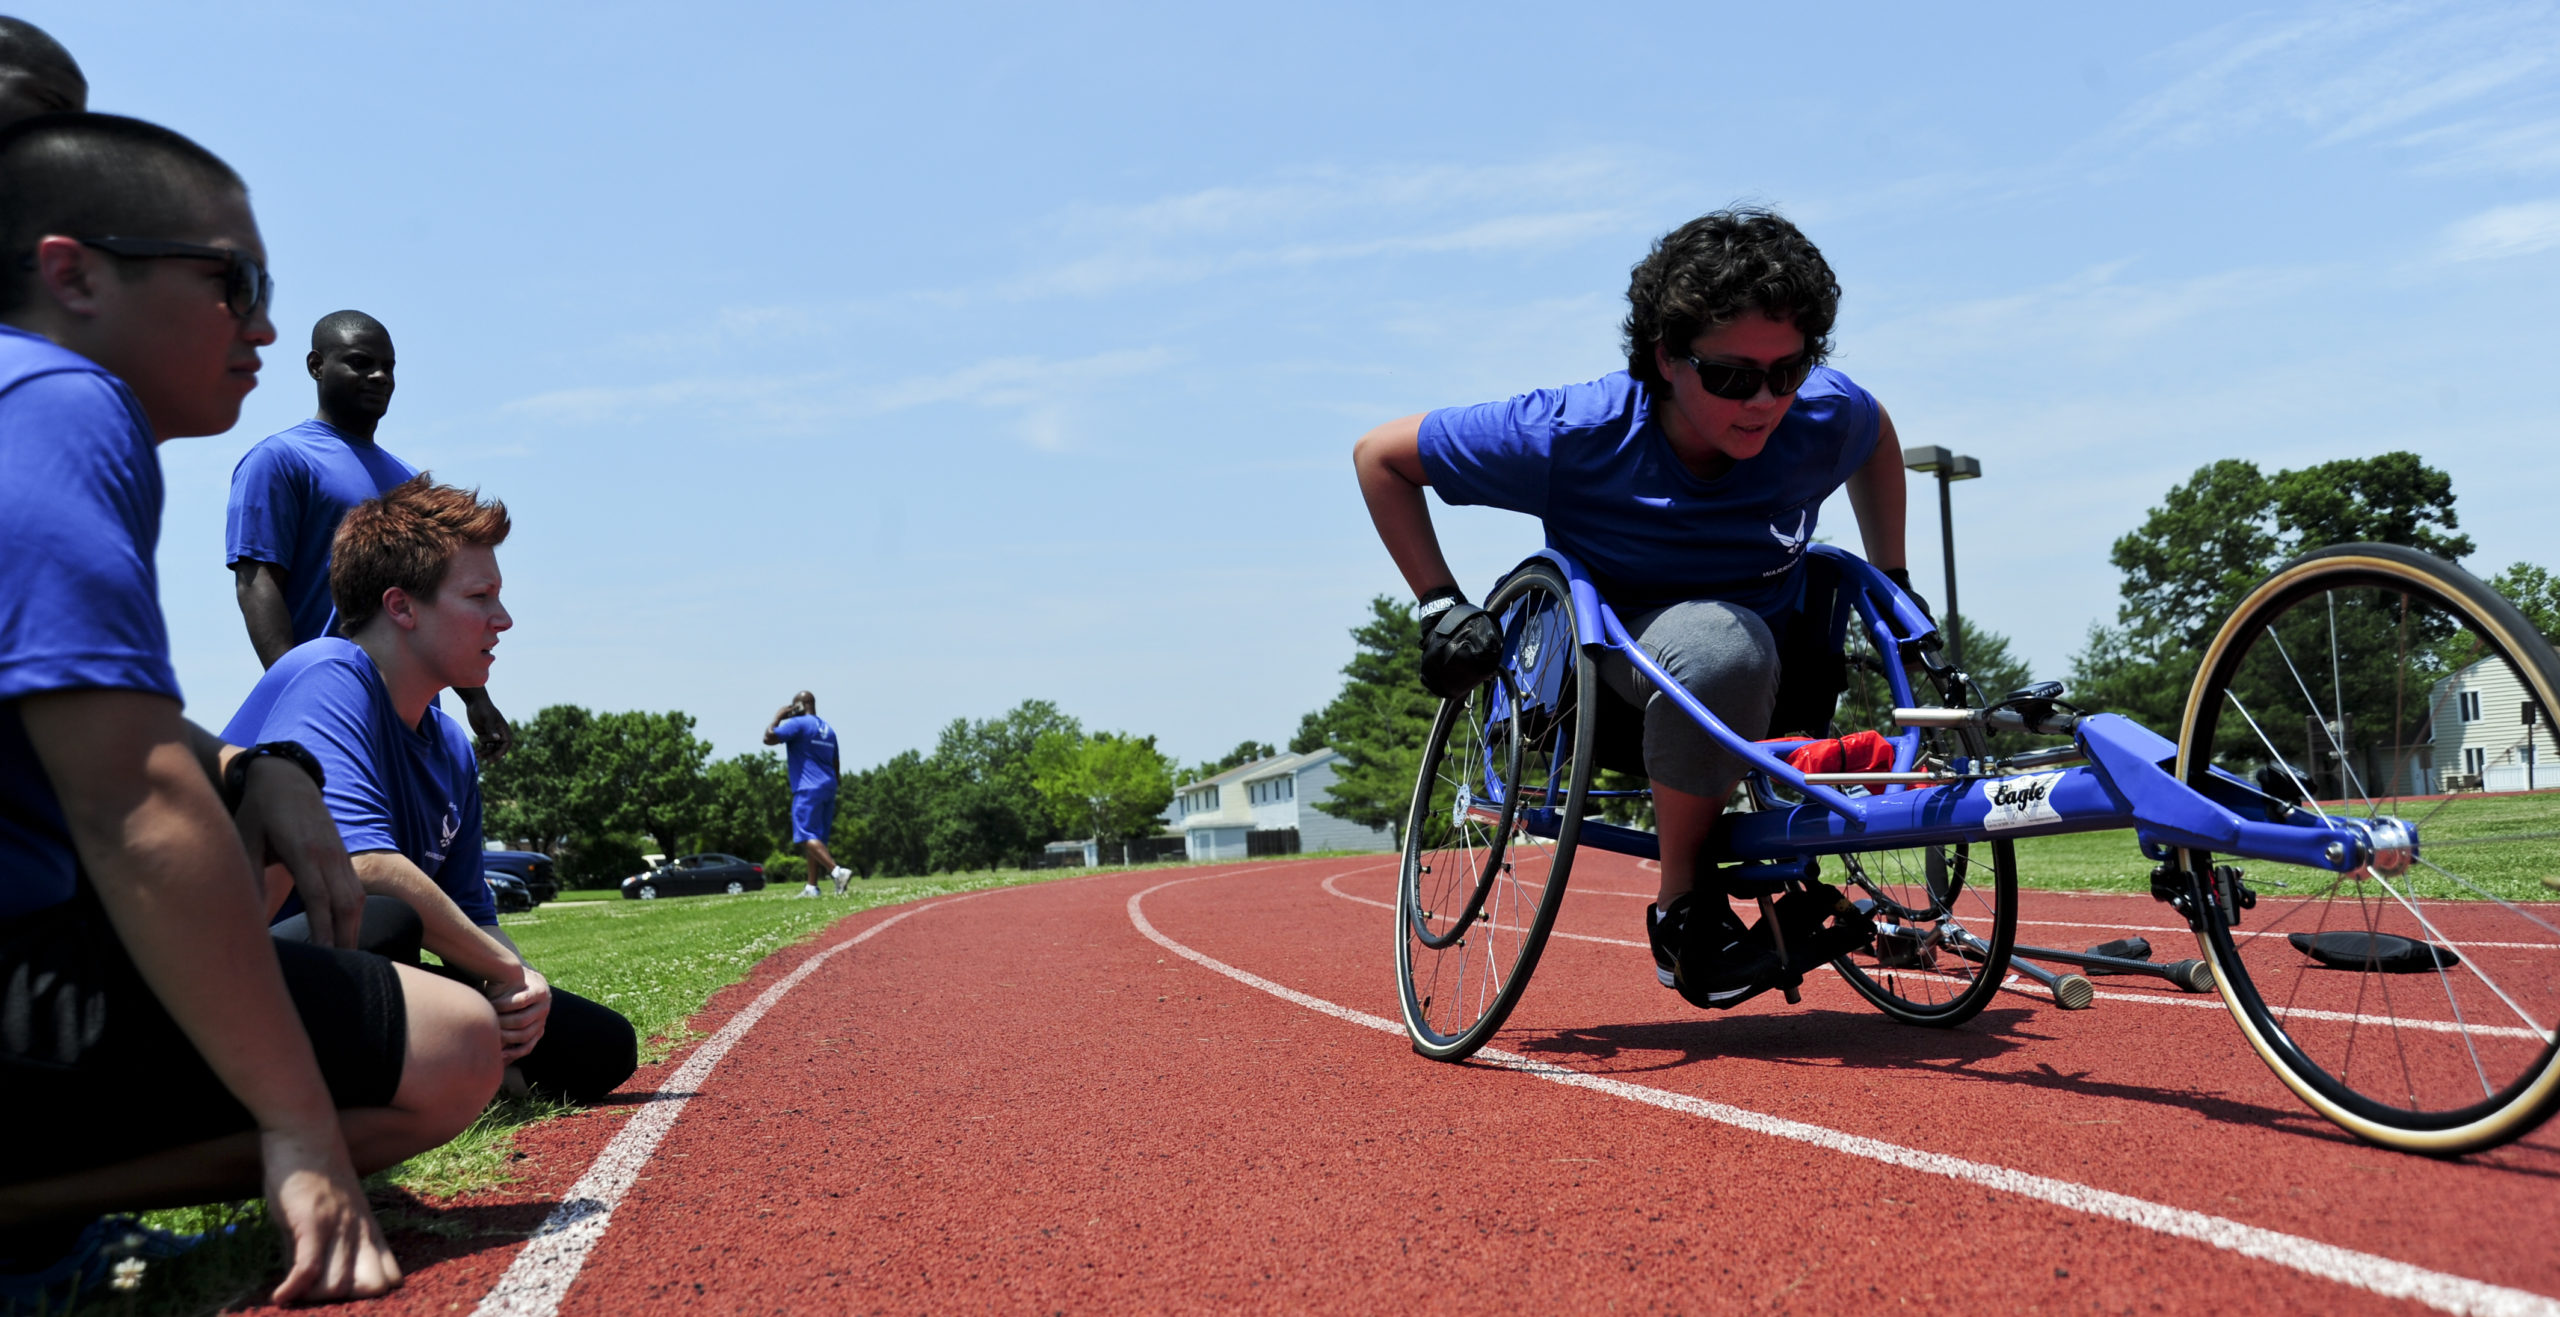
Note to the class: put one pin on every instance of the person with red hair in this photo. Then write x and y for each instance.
(414, 575)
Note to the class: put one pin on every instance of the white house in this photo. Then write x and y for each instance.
(1267, 807)
(2482, 735)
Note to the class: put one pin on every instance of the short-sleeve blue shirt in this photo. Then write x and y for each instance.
(809, 749)
(1591, 462)
(287, 496)
(80, 498)
(391, 787)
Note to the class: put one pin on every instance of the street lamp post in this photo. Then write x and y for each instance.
(1949, 468)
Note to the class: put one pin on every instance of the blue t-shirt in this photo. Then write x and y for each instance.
(287, 496)
(80, 502)
(392, 787)
(1590, 462)
(809, 749)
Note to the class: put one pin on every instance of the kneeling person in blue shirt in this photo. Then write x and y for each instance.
(416, 582)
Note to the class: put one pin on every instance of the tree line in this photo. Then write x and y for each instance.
(598, 790)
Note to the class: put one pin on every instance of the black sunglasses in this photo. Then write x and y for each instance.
(246, 286)
(1742, 383)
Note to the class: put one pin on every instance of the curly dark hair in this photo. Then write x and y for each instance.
(1711, 270)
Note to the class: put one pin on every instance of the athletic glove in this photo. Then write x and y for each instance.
(1901, 577)
(1461, 645)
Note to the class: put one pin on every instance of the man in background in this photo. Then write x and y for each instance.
(810, 753)
(37, 76)
(290, 491)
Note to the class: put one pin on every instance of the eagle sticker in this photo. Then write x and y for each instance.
(2018, 802)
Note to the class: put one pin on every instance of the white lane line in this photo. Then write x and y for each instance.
(2387, 1277)
(541, 1275)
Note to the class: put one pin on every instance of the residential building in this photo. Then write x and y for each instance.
(1267, 807)
(2482, 734)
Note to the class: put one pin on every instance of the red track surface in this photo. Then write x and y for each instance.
(1020, 1103)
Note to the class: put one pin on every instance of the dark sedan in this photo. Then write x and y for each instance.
(693, 875)
(541, 878)
(508, 891)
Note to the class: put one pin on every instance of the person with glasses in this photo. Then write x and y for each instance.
(157, 1046)
(292, 488)
(1688, 485)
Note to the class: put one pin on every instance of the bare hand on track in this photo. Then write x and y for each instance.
(338, 1249)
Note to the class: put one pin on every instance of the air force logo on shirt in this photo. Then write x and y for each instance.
(1793, 540)
(446, 832)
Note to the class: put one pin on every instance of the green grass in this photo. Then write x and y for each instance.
(2503, 844)
(657, 962)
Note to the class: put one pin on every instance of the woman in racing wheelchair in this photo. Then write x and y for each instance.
(1688, 486)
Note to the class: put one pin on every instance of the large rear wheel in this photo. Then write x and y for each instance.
(2414, 1000)
(1497, 808)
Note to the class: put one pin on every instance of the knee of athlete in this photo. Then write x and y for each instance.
(453, 1066)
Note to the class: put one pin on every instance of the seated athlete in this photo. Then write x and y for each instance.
(1687, 485)
(414, 574)
(809, 754)
(157, 1048)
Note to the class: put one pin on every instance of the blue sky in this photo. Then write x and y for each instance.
(941, 357)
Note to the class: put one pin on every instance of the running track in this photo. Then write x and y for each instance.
(1170, 1091)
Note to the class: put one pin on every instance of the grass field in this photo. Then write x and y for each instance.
(657, 962)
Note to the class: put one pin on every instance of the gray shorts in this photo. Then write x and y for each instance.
(1724, 655)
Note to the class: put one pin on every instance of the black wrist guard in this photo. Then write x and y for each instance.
(235, 778)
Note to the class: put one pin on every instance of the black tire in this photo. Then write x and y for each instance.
(1945, 923)
(1956, 914)
(2422, 1056)
(1479, 888)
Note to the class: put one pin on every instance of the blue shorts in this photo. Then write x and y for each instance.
(813, 815)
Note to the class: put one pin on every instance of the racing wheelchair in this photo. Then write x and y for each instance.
(2372, 896)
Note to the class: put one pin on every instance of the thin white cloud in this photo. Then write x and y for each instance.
(2095, 314)
(1038, 387)
(2517, 230)
(2342, 73)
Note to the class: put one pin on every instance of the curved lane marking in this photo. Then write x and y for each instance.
(541, 1275)
(2365, 1271)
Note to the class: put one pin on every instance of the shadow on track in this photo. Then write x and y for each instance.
(1854, 1040)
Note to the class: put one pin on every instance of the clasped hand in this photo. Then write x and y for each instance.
(523, 1006)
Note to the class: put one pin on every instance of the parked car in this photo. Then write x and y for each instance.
(693, 875)
(541, 878)
(509, 890)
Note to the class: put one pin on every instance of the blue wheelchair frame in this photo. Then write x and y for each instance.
(2131, 777)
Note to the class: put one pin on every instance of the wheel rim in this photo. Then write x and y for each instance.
(648, 893)
(1477, 891)
(2361, 680)
(735, 888)
(1942, 914)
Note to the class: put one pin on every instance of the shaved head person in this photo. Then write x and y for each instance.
(37, 76)
(289, 492)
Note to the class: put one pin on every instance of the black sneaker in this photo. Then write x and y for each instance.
(1701, 951)
(1820, 926)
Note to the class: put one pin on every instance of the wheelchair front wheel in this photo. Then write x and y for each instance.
(2414, 1000)
(1490, 834)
